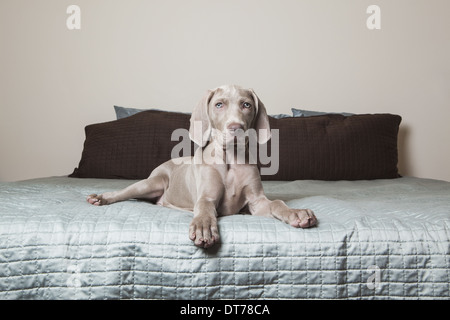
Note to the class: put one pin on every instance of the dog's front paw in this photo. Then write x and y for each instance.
(96, 199)
(204, 231)
(302, 218)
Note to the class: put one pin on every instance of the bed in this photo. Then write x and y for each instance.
(377, 238)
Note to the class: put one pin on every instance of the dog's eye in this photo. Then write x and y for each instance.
(219, 105)
(246, 105)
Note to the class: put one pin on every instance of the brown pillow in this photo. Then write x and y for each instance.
(336, 147)
(129, 148)
(328, 147)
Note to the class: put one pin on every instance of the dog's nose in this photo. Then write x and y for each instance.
(235, 126)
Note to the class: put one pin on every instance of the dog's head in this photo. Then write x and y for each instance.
(227, 112)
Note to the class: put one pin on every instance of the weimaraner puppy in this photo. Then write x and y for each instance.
(208, 188)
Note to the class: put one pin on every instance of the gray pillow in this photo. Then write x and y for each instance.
(122, 112)
(279, 116)
(308, 113)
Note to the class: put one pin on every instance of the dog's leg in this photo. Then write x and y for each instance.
(150, 188)
(203, 229)
(298, 218)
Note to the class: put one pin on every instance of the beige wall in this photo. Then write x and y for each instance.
(315, 55)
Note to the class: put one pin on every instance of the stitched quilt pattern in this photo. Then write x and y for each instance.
(375, 240)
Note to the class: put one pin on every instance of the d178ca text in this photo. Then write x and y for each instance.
(228, 309)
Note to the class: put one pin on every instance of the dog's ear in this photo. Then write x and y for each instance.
(261, 121)
(200, 127)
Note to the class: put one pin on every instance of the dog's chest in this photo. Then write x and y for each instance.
(233, 199)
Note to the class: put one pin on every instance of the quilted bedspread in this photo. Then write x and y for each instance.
(375, 239)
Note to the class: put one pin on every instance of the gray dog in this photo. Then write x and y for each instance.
(214, 188)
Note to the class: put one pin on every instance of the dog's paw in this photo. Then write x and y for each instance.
(203, 231)
(96, 200)
(302, 218)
